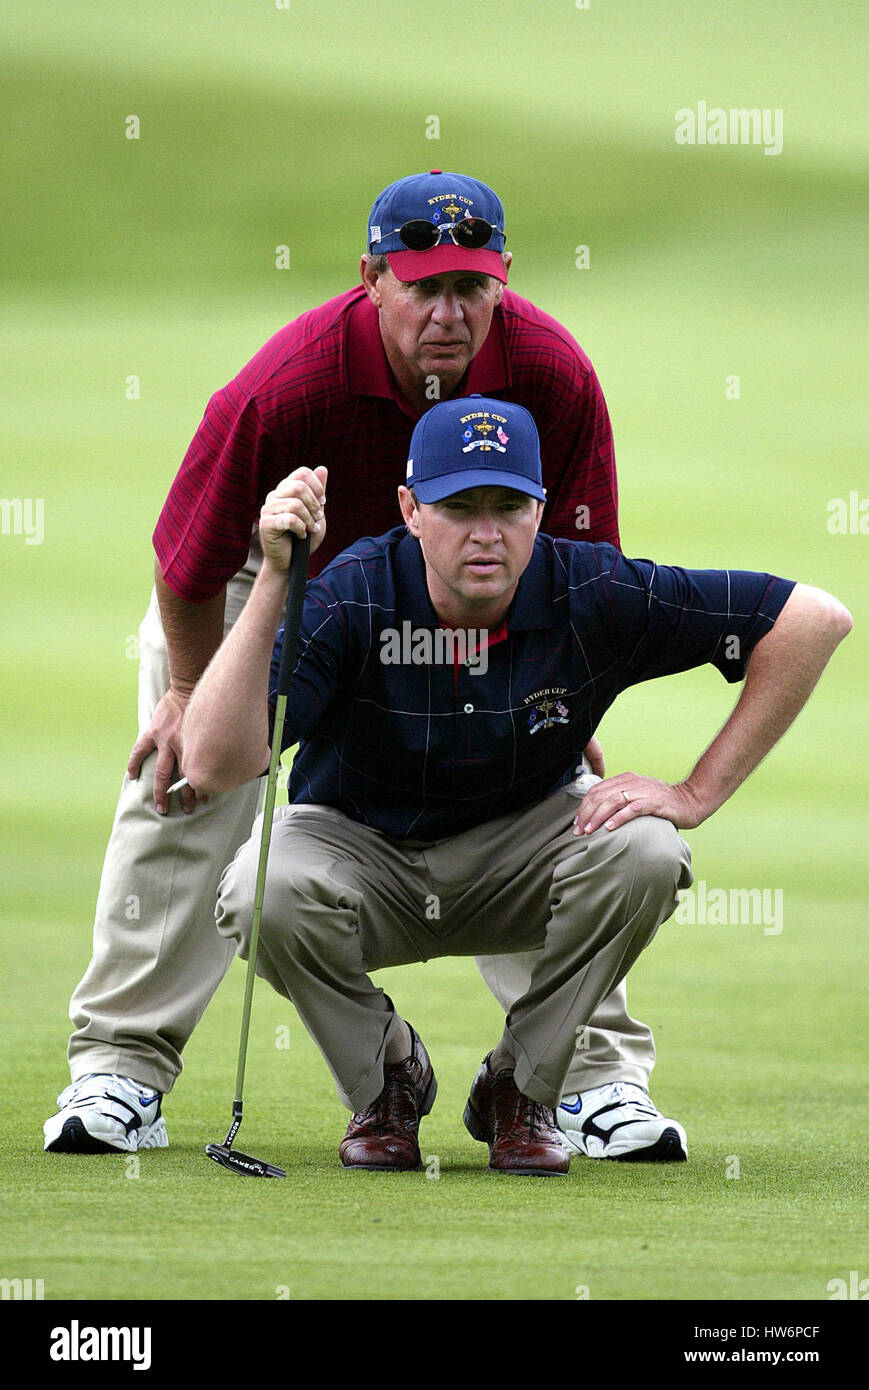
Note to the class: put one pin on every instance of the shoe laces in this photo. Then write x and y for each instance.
(626, 1091)
(528, 1112)
(630, 1094)
(397, 1093)
(538, 1116)
(100, 1084)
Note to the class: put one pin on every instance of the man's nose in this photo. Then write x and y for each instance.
(448, 307)
(486, 527)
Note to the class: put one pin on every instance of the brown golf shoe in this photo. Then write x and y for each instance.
(521, 1133)
(384, 1135)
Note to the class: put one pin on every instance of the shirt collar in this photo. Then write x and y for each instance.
(368, 370)
(531, 609)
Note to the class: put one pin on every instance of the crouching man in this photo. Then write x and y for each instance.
(449, 674)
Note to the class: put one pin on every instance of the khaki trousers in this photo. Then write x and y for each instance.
(342, 900)
(157, 958)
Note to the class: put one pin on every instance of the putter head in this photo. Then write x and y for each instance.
(243, 1163)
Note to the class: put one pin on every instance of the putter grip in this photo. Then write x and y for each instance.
(293, 616)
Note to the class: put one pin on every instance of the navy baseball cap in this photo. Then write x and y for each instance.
(473, 441)
(443, 201)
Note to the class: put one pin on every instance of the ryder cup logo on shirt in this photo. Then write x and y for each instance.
(478, 428)
(545, 709)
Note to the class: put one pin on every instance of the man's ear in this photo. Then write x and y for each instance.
(409, 510)
(371, 280)
(540, 506)
(507, 257)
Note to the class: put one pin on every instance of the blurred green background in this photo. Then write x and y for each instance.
(155, 258)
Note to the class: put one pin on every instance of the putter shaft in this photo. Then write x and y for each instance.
(223, 1153)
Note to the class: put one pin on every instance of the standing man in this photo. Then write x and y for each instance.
(341, 387)
(418, 780)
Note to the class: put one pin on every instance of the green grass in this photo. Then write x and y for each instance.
(156, 259)
(744, 1066)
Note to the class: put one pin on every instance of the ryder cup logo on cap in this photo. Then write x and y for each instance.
(427, 224)
(474, 442)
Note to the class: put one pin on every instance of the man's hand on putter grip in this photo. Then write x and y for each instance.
(619, 799)
(296, 505)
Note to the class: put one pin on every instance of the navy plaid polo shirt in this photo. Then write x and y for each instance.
(427, 751)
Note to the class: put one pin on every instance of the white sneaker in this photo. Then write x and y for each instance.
(620, 1121)
(104, 1113)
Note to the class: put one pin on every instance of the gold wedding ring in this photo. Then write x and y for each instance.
(625, 795)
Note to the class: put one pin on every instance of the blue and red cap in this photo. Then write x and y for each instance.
(473, 441)
(442, 199)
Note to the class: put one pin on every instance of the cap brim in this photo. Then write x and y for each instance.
(436, 489)
(418, 265)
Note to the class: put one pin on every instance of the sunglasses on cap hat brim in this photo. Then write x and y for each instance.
(471, 234)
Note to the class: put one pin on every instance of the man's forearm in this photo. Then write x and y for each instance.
(226, 730)
(782, 672)
(193, 631)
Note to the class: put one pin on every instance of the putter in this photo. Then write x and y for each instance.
(224, 1153)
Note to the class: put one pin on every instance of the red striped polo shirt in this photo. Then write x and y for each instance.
(321, 392)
